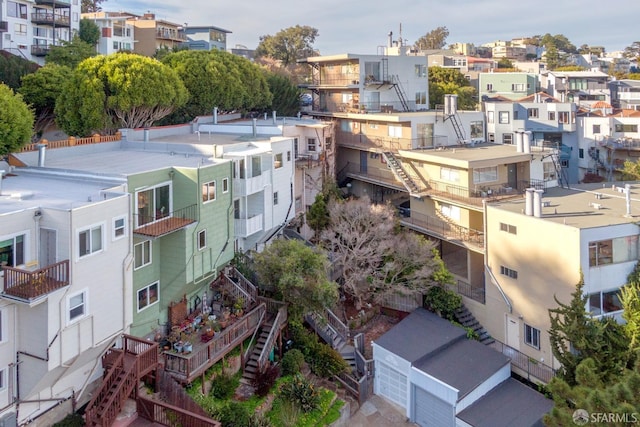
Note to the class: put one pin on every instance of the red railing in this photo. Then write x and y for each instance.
(32, 284)
(165, 223)
(169, 415)
(186, 367)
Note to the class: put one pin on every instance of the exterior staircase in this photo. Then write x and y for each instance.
(252, 367)
(400, 92)
(400, 173)
(457, 128)
(466, 319)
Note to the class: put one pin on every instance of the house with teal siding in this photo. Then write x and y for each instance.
(512, 86)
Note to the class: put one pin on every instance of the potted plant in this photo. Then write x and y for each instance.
(178, 346)
(187, 347)
(238, 307)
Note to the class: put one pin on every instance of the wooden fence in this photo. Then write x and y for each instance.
(73, 141)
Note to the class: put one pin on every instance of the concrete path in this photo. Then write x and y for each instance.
(378, 412)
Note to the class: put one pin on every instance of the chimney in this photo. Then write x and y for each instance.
(146, 134)
(255, 127)
(528, 202)
(390, 35)
(274, 115)
(537, 203)
(42, 148)
(526, 142)
(215, 115)
(519, 142)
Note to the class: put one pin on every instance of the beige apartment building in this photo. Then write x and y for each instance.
(153, 34)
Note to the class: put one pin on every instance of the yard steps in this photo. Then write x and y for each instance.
(468, 320)
(251, 367)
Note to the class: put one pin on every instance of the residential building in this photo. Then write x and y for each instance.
(153, 34)
(447, 59)
(116, 31)
(507, 85)
(540, 246)
(553, 127)
(582, 87)
(625, 94)
(30, 28)
(206, 37)
(439, 377)
(243, 51)
(607, 138)
(65, 255)
(394, 80)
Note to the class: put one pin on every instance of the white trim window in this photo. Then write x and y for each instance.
(503, 117)
(119, 227)
(90, 240)
(77, 306)
(153, 204)
(208, 191)
(141, 254)
(311, 144)
(277, 161)
(275, 198)
(488, 174)
(13, 250)
(506, 271)
(202, 239)
(395, 131)
(532, 336)
(225, 185)
(605, 302)
(148, 296)
(448, 174)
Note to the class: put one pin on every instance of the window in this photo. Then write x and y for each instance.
(20, 29)
(581, 153)
(620, 127)
(141, 254)
(481, 175)
(477, 129)
(395, 131)
(490, 116)
(225, 185)
(512, 229)
(613, 251)
(532, 113)
(90, 241)
(148, 296)
(596, 129)
(518, 87)
(450, 211)
(421, 98)
(17, 10)
(275, 197)
(503, 117)
(421, 70)
(12, 251)
(489, 87)
(3, 379)
(208, 191)
(256, 166)
(507, 138)
(532, 336)
(277, 161)
(311, 144)
(202, 239)
(549, 171)
(564, 163)
(508, 272)
(448, 174)
(563, 117)
(288, 156)
(119, 227)
(491, 137)
(153, 204)
(296, 149)
(605, 302)
(77, 305)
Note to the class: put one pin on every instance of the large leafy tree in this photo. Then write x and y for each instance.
(288, 45)
(89, 32)
(434, 39)
(632, 51)
(286, 95)
(91, 5)
(299, 275)
(16, 121)
(559, 41)
(71, 53)
(443, 81)
(41, 90)
(217, 79)
(121, 90)
(13, 68)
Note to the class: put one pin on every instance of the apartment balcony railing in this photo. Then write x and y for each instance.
(341, 80)
(164, 223)
(29, 285)
(51, 18)
(532, 369)
(170, 35)
(40, 50)
(382, 144)
(444, 230)
(248, 186)
(476, 293)
(623, 96)
(247, 226)
(472, 196)
(54, 3)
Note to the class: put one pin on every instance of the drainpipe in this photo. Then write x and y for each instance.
(215, 115)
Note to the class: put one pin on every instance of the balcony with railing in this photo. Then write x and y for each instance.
(25, 285)
(50, 18)
(170, 34)
(472, 196)
(444, 230)
(371, 142)
(162, 223)
(40, 49)
(247, 226)
(251, 185)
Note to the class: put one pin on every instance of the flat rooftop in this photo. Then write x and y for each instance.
(471, 155)
(584, 205)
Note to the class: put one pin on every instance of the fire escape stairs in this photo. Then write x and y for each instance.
(113, 404)
(457, 127)
(401, 174)
(593, 153)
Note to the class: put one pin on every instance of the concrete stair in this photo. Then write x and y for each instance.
(466, 319)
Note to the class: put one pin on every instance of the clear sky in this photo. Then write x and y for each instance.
(357, 26)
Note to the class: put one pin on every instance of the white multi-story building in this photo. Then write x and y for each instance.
(116, 31)
(30, 28)
(65, 247)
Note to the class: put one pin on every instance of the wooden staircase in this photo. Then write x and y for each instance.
(252, 366)
(257, 357)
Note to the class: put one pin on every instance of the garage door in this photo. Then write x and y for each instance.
(391, 384)
(430, 411)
